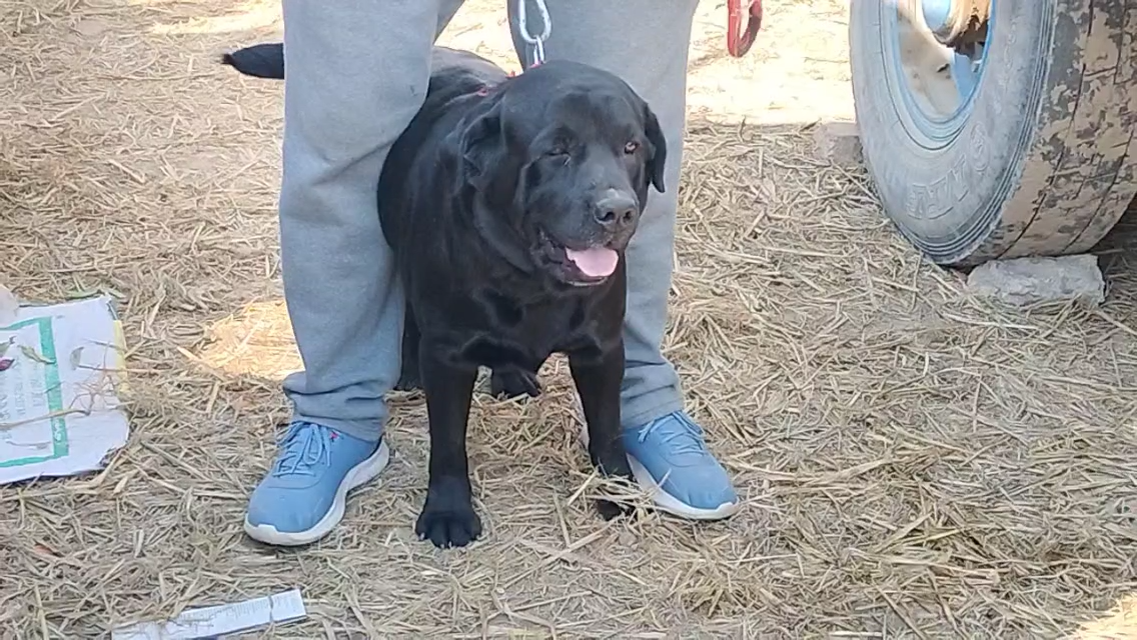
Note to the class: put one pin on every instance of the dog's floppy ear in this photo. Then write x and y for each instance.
(658, 161)
(481, 147)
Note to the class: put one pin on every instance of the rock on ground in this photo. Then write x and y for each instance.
(1027, 281)
(839, 143)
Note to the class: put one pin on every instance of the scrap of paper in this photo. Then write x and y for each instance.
(210, 622)
(61, 367)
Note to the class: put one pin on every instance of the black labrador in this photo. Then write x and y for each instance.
(508, 203)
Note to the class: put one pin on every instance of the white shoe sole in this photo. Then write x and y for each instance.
(358, 475)
(665, 501)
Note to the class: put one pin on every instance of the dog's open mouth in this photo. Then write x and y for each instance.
(594, 262)
(582, 267)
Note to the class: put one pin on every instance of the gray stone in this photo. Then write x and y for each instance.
(90, 27)
(839, 143)
(1027, 281)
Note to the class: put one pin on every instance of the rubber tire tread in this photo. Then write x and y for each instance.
(1045, 161)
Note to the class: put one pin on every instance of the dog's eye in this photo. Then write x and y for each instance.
(631, 147)
(557, 152)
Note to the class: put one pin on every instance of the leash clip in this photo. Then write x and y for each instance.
(536, 41)
(538, 53)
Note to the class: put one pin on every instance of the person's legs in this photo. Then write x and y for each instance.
(356, 73)
(646, 42)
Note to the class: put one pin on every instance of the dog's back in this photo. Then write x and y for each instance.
(416, 164)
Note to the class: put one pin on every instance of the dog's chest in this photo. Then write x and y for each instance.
(525, 335)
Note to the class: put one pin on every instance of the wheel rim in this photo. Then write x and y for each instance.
(940, 120)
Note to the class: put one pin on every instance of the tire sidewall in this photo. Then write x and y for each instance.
(946, 192)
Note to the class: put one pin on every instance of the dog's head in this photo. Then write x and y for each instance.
(563, 159)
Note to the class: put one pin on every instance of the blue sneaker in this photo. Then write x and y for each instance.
(670, 459)
(301, 499)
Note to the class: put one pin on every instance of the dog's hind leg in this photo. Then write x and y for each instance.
(513, 382)
(409, 377)
(598, 377)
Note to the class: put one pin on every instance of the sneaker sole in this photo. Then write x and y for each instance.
(665, 501)
(358, 475)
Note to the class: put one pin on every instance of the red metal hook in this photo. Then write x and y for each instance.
(738, 41)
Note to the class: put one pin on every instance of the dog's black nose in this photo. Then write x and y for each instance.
(616, 210)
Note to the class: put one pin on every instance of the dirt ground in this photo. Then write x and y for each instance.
(914, 463)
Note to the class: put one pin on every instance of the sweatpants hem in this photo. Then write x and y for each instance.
(369, 430)
(650, 407)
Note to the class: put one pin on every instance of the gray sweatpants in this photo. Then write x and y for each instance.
(357, 72)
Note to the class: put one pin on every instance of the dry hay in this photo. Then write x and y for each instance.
(914, 463)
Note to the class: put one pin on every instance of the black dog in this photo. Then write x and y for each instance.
(508, 203)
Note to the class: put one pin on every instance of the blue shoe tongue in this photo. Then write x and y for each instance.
(681, 436)
(305, 447)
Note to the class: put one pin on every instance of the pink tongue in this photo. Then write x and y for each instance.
(597, 262)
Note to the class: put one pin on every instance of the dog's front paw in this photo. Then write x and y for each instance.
(448, 523)
(619, 474)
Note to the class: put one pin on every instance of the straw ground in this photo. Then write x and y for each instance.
(914, 463)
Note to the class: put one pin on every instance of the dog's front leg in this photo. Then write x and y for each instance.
(598, 378)
(448, 518)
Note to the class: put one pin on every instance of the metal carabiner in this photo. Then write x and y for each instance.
(538, 41)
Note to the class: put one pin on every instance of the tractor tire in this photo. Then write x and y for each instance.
(1040, 160)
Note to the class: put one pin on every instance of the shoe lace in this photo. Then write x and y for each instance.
(681, 436)
(304, 447)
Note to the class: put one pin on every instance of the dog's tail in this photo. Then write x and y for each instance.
(260, 60)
